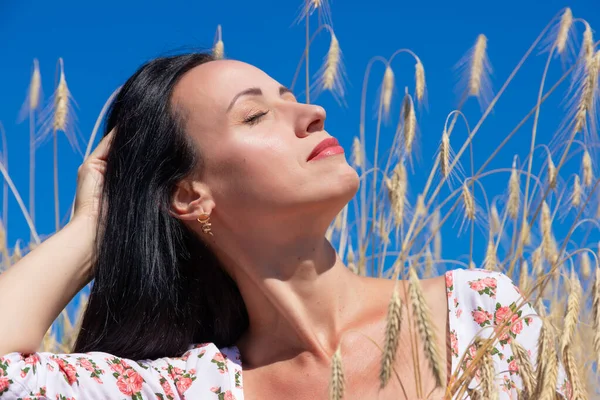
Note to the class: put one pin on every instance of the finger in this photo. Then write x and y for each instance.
(101, 151)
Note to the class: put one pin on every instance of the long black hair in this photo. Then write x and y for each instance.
(157, 287)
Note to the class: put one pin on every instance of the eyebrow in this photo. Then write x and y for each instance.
(255, 91)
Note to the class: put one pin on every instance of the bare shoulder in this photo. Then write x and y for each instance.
(434, 290)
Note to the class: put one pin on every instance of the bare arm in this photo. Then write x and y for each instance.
(34, 291)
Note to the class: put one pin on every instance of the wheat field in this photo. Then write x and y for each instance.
(393, 230)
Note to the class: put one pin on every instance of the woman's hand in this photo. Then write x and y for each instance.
(90, 179)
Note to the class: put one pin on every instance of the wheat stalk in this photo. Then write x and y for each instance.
(219, 47)
(566, 21)
(548, 243)
(332, 64)
(61, 103)
(494, 218)
(526, 371)
(478, 65)
(589, 85)
(596, 315)
(525, 235)
(388, 88)
(551, 173)
(577, 192)
(419, 81)
(469, 202)
(445, 154)
(397, 192)
(392, 336)
(586, 267)
(572, 313)
(524, 276)
(537, 261)
(336, 383)
(491, 258)
(586, 163)
(488, 386)
(547, 365)
(577, 390)
(409, 122)
(35, 86)
(513, 193)
(425, 326)
(420, 207)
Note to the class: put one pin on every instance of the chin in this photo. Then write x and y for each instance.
(347, 184)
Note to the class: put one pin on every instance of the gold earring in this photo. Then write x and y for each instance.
(204, 219)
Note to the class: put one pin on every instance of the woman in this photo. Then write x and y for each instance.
(215, 192)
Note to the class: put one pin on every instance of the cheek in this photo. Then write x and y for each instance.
(259, 169)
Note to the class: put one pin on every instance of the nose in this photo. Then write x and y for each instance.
(311, 119)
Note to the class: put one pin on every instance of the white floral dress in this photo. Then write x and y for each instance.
(478, 300)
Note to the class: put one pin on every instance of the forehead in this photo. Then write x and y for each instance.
(214, 84)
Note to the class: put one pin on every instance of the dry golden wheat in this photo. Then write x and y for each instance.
(392, 336)
(489, 390)
(513, 193)
(596, 315)
(422, 316)
(572, 313)
(478, 65)
(586, 164)
(419, 81)
(35, 86)
(586, 267)
(525, 370)
(551, 173)
(576, 193)
(566, 21)
(445, 154)
(468, 202)
(388, 88)
(336, 382)
(547, 364)
(409, 121)
(577, 390)
(490, 261)
(332, 64)
(61, 104)
(219, 47)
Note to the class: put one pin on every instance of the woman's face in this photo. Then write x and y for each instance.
(255, 140)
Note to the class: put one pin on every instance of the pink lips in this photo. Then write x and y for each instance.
(326, 147)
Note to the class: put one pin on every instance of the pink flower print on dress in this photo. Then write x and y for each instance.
(449, 284)
(167, 389)
(69, 372)
(91, 366)
(502, 315)
(183, 384)
(226, 395)
(513, 367)
(481, 316)
(516, 325)
(4, 384)
(130, 383)
(454, 343)
(485, 285)
(219, 359)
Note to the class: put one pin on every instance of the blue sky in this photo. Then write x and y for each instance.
(103, 43)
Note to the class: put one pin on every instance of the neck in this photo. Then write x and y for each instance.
(297, 293)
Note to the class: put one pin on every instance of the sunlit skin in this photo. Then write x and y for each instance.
(269, 208)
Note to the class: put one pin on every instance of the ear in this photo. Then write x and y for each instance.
(190, 200)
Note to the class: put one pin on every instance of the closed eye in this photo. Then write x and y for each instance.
(254, 119)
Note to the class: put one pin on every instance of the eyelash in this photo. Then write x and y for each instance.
(254, 119)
